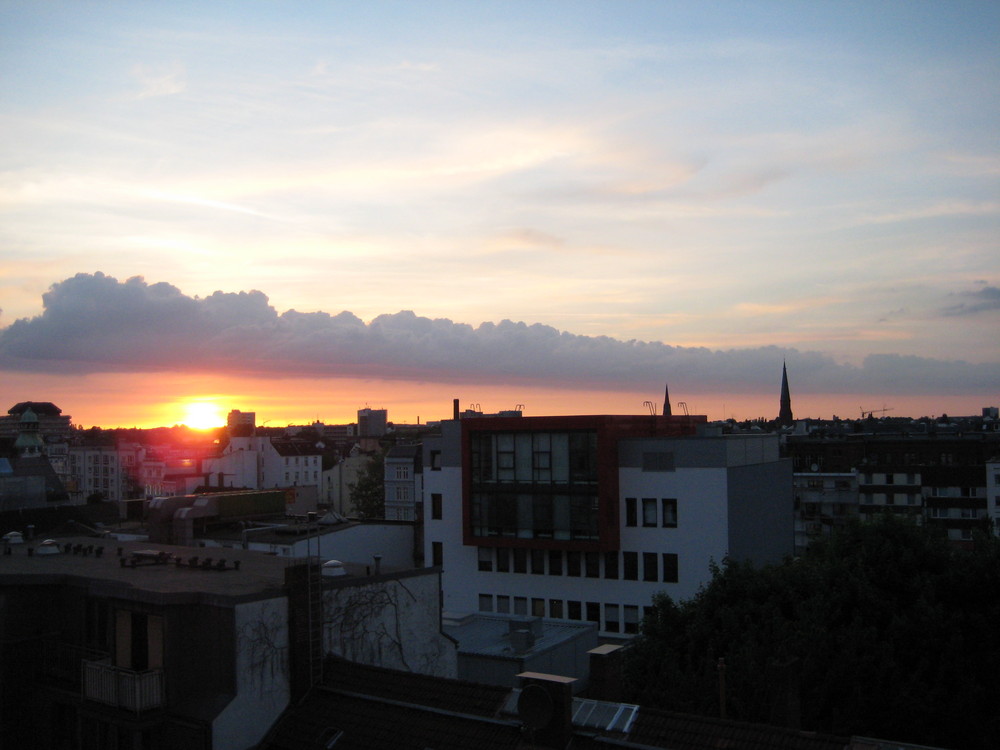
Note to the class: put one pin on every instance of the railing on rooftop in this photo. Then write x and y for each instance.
(122, 688)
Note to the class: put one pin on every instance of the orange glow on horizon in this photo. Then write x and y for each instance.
(161, 400)
(202, 414)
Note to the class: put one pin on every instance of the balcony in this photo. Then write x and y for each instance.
(122, 688)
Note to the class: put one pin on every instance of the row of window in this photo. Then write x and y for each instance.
(654, 513)
(617, 618)
(306, 460)
(629, 566)
(305, 476)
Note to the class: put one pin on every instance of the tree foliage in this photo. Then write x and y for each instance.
(883, 630)
(368, 493)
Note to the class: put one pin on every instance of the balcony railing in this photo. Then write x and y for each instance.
(122, 688)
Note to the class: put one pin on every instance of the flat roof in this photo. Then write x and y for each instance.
(487, 634)
(260, 576)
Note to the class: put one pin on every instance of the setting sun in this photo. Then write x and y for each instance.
(203, 415)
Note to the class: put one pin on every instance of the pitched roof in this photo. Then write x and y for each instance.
(459, 696)
(689, 732)
(327, 719)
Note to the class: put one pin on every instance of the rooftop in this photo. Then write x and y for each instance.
(156, 576)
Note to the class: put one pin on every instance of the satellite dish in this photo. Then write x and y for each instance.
(534, 707)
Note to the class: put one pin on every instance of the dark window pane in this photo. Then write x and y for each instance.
(669, 567)
(555, 562)
(649, 567)
(538, 561)
(611, 564)
(572, 563)
(630, 512)
(630, 560)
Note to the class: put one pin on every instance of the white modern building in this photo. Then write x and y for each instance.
(587, 518)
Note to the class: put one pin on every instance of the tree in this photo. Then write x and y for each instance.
(884, 629)
(368, 493)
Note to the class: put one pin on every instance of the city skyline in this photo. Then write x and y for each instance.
(304, 210)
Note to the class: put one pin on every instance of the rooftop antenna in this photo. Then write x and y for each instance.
(651, 406)
(684, 406)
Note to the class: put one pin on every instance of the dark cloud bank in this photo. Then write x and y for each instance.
(94, 323)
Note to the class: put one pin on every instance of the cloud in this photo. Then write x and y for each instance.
(94, 323)
(983, 300)
(161, 80)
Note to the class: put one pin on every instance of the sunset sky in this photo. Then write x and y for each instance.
(302, 209)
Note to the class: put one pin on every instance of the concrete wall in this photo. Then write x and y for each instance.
(262, 683)
(389, 621)
(761, 512)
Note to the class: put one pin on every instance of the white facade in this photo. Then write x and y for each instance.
(719, 497)
(257, 463)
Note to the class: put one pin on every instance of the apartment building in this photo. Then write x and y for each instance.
(588, 517)
(938, 477)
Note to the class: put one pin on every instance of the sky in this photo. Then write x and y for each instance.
(302, 209)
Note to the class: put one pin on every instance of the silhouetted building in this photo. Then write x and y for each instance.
(785, 418)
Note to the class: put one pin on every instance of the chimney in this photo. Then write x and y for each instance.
(454, 409)
(606, 673)
(545, 708)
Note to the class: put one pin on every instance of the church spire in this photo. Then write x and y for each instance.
(785, 409)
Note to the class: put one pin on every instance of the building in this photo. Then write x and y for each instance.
(261, 462)
(936, 476)
(587, 517)
(372, 423)
(27, 477)
(115, 645)
(403, 482)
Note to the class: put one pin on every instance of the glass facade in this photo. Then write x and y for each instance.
(535, 485)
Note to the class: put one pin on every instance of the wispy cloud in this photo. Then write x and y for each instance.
(982, 300)
(159, 80)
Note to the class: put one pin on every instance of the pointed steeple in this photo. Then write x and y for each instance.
(666, 400)
(785, 409)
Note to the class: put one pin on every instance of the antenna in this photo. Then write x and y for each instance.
(651, 406)
(684, 406)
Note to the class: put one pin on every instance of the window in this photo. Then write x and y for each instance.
(594, 612)
(435, 460)
(402, 494)
(485, 603)
(520, 560)
(437, 554)
(631, 614)
(503, 560)
(650, 568)
(436, 506)
(574, 611)
(669, 567)
(572, 563)
(556, 608)
(649, 511)
(555, 562)
(503, 604)
(611, 564)
(538, 562)
(520, 605)
(485, 559)
(630, 515)
(631, 564)
(592, 564)
(538, 608)
(669, 506)
(611, 622)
